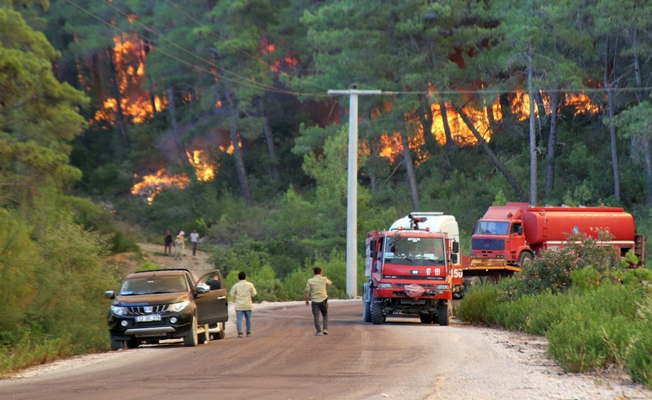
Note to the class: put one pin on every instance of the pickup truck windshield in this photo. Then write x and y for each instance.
(415, 251)
(492, 228)
(152, 285)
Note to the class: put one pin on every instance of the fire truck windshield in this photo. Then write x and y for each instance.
(415, 251)
(492, 228)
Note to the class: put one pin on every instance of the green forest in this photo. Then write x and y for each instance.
(120, 119)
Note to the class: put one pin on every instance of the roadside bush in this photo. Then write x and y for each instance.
(639, 357)
(478, 304)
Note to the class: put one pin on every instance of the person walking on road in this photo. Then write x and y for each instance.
(242, 292)
(194, 239)
(177, 247)
(167, 239)
(182, 239)
(316, 291)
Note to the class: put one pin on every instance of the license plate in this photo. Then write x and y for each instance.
(148, 318)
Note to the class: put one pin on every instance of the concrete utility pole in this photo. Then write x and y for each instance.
(352, 197)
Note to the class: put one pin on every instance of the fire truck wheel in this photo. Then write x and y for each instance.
(525, 259)
(442, 313)
(425, 318)
(376, 311)
(366, 311)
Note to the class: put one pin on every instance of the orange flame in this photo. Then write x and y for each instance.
(204, 171)
(129, 60)
(152, 185)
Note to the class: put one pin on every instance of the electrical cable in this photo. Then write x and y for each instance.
(261, 85)
(236, 47)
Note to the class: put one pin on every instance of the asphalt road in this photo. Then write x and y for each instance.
(401, 359)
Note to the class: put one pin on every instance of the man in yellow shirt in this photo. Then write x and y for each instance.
(316, 291)
(242, 292)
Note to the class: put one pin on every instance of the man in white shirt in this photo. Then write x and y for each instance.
(242, 292)
(194, 239)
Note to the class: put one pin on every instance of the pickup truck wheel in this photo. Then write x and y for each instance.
(221, 334)
(525, 259)
(133, 344)
(116, 344)
(442, 313)
(376, 311)
(425, 318)
(191, 339)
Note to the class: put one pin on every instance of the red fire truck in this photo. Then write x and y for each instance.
(508, 237)
(413, 268)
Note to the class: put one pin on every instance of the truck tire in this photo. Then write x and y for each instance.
(488, 280)
(366, 303)
(116, 344)
(525, 259)
(376, 311)
(221, 334)
(191, 340)
(425, 318)
(442, 313)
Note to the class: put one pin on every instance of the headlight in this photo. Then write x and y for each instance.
(442, 287)
(384, 285)
(178, 307)
(118, 311)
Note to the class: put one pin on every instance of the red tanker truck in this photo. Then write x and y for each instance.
(508, 237)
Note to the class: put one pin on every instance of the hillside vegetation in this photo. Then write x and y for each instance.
(122, 119)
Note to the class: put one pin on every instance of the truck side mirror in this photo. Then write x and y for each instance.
(454, 258)
(456, 247)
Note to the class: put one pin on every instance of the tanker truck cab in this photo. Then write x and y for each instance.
(508, 237)
(410, 271)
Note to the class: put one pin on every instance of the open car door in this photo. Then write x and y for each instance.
(212, 306)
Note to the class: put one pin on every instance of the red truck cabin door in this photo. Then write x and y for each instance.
(514, 241)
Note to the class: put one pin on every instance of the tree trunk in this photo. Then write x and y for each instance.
(235, 141)
(552, 137)
(118, 99)
(501, 167)
(648, 168)
(412, 181)
(447, 132)
(273, 166)
(425, 117)
(612, 127)
(533, 136)
(181, 150)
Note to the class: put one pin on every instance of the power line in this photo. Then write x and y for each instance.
(261, 85)
(236, 47)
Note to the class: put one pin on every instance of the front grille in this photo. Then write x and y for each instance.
(141, 310)
(487, 244)
(424, 294)
(424, 285)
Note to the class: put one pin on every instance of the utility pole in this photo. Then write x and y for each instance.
(352, 197)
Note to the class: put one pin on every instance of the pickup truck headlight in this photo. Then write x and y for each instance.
(384, 286)
(178, 307)
(118, 311)
(442, 287)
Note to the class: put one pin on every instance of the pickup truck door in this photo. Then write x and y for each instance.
(212, 306)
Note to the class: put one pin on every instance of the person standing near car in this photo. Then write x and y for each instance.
(242, 292)
(316, 291)
(182, 240)
(194, 239)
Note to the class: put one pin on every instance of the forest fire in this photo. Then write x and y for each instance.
(128, 58)
(152, 185)
(204, 171)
